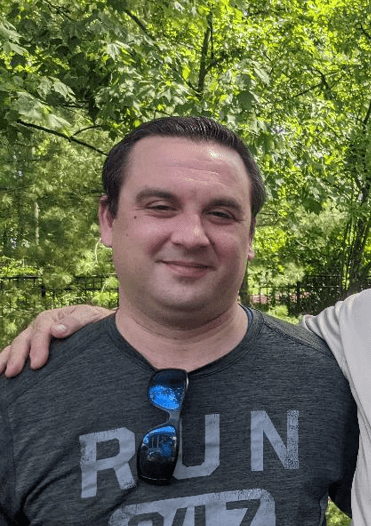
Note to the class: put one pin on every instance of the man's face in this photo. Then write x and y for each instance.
(181, 236)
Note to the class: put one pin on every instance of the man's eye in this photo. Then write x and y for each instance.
(160, 207)
(221, 214)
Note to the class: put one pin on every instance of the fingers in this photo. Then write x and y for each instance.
(4, 356)
(39, 346)
(66, 322)
(14, 356)
(35, 340)
(73, 318)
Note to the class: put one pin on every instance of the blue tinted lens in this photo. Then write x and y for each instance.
(166, 397)
(167, 389)
(160, 442)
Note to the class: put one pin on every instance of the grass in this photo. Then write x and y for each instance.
(335, 517)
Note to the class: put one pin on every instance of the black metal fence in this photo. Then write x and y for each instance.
(32, 292)
(22, 297)
(310, 295)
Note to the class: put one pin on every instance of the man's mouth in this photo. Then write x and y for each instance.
(190, 264)
(187, 268)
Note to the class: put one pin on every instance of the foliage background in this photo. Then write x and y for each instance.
(292, 77)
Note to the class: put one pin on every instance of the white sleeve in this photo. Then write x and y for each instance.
(346, 327)
(327, 326)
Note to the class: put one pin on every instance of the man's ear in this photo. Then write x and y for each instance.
(105, 222)
(250, 250)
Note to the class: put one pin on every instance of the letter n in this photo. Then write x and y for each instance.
(262, 426)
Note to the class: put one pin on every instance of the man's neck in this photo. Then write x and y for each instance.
(167, 346)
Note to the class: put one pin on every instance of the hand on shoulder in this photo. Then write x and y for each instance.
(34, 341)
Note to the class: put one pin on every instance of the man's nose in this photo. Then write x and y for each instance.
(190, 232)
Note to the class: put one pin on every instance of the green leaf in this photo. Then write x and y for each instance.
(246, 99)
(11, 47)
(29, 107)
(63, 89)
(56, 123)
(262, 74)
(186, 71)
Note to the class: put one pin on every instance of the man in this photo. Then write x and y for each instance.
(268, 427)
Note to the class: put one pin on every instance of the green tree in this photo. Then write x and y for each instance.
(291, 77)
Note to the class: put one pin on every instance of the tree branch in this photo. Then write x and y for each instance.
(204, 51)
(59, 10)
(146, 32)
(365, 271)
(368, 114)
(87, 128)
(137, 21)
(324, 82)
(62, 135)
(367, 35)
(311, 88)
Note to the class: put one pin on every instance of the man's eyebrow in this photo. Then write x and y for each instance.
(154, 192)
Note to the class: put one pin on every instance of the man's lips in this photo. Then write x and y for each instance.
(190, 264)
(187, 268)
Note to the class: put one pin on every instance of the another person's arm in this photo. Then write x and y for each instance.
(34, 341)
(346, 329)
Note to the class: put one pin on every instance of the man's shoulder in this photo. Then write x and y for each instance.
(294, 335)
(83, 339)
(68, 353)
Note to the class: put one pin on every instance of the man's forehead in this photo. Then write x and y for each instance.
(181, 151)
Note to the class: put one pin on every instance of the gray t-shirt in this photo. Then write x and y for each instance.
(268, 431)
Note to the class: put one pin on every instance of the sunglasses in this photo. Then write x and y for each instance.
(158, 450)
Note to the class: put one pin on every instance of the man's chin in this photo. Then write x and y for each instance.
(193, 310)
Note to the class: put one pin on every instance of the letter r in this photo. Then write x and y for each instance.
(119, 463)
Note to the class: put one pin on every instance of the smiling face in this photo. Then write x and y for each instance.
(181, 236)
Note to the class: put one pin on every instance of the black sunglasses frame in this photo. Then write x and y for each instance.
(157, 454)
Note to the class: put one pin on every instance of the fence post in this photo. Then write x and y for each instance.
(244, 294)
(43, 290)
(297, 297)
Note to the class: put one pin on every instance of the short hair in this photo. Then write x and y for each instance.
(197, 129)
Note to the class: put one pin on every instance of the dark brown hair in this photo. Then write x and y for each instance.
(193, 128)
